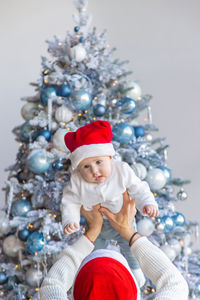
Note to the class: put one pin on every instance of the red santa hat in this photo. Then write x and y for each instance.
(105, 274)
(91, 140)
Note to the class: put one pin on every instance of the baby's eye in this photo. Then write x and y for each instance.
(98, 162)
(86, 166)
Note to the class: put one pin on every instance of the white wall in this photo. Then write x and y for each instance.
(159, 37)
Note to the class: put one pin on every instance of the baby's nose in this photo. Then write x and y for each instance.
(94, 169)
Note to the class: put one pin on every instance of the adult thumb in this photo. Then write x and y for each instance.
(106, 212)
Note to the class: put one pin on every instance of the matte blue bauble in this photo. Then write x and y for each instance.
(139, 131)
(99, 110)
(38, 162)
(128, 105)
(47, 93)
(46, 134)
(82, 221)
(23, 234)
(3, 277)
(20, 208)
(35, 242)
(81, 100)
(27, 133)
(123, 133)
(167, 173)
(64, 90)
(179, 219)
(168, 223)
(57, 165)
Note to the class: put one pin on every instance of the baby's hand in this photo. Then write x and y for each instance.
(150, 210)
(70, 228)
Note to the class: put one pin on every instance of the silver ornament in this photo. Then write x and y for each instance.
(187, 251)
(145, 227)
(5, 223)
(170, 252)
(182, 195)
(160, 226)
(156, 179)
(135, 92)
(58, 139)
(11, 246)
(63, 114)
(29, 110)
(34, 277)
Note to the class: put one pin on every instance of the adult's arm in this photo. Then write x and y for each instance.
(61, 275)
(170, 284)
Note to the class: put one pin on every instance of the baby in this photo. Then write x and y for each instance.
(98, 178)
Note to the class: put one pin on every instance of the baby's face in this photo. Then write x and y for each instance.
(95, 169)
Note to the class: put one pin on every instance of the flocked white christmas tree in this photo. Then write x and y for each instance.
(82, 82)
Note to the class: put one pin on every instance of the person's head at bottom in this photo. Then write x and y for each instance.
(105, 274)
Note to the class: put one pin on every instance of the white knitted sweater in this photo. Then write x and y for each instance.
(170, 285)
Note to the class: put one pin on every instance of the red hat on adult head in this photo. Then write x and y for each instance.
(91, 140)
(106, 276)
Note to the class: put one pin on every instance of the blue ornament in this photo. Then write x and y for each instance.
(27, 133)
(38, 162)
(76, 28)
(57, 165)
(81, 100)
(35, 242)
(20, 208)
(168, 223)
(64, 90)
(47, 93)
(3, 277)
(99, 110)
(82, 221)
(179, 219)
(197, 288)
(23, 234)
(82, 39)
(128, 105)
(46, 134)
(139, 131)
(123, 133)
(167, 173)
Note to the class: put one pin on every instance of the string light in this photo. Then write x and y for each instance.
(78, 35)
(59, 97)
(94, 118)
(85, 111)
(68, 128)
(73, 117)
(79, 115)
(36, 253)
(50, 214)
(54, 216)
(36, 289)
(155, 194)
(45, 81)
(30, 225)
(182, 243)
(17, 266)
(60, 44)
(95, 98)
(139, 98)
(63, 123)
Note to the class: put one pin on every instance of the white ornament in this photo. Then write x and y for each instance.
(156, 179)
(149, 137)
(58, 139)
(34, 277)
(170, 252)
(78, 52)
(175, 244)
(187, 251)
(28, 111)
(11, 246)
(135, 91)
(141, 170)
(5, 223)
(63, 114)
(145, 227)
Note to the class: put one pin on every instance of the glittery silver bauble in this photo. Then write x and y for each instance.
(160, 226)
(38, 161)
(63, 114)
(156, 179)
(29, 110)
(145, 227)
(11, 246)
(81, 99)
(135, 90)
(182, 195)
(175, 244)
(34, 277)
(169, 251)
(58, 139)
(78, 52)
